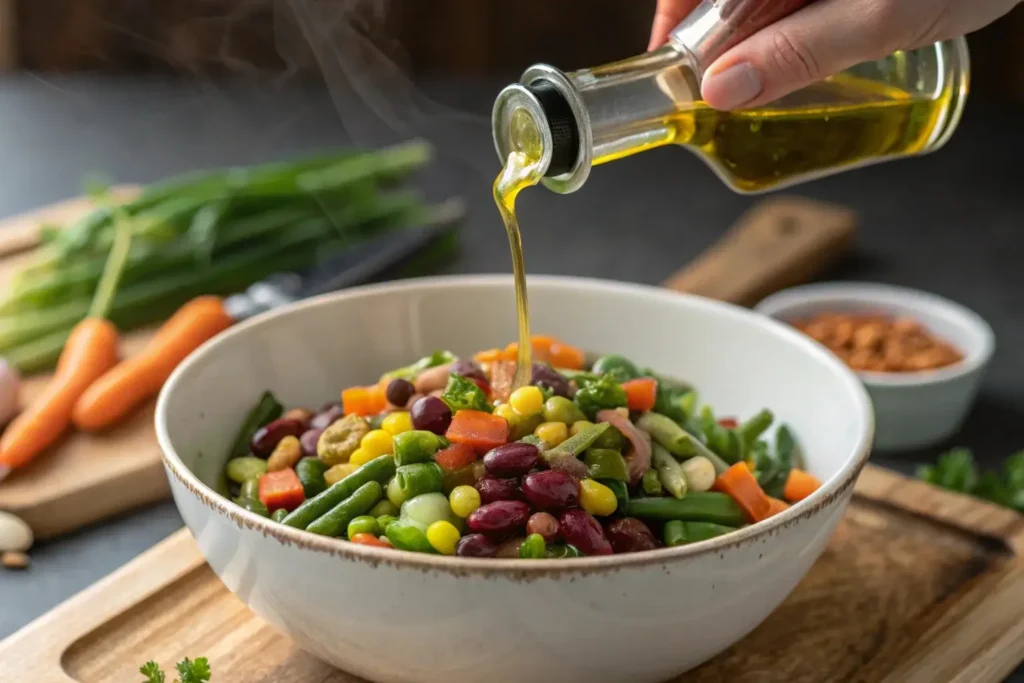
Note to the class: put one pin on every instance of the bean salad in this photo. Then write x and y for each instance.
(442, 456)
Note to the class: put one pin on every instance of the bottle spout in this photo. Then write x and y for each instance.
(544, 117)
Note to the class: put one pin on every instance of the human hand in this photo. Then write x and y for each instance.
(822, 39)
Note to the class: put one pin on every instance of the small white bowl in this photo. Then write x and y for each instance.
(912, 410)
(398, 617)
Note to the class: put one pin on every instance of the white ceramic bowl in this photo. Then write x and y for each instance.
(393, 616)
(914, 410)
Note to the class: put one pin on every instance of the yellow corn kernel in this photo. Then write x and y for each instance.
(464, 499)
(596, 498)
(397, 422)
(360, 457)
(378, 442)
(339, 472)
(443, 536)
(527, 401)
(579, 426)
(552, 433)
(508, 412)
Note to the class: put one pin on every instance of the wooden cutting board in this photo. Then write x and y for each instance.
(87, 478)
(918, 585)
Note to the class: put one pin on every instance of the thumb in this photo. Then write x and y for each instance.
(822, 39)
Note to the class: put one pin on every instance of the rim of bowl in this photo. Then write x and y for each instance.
(829, 491)
(868, 294)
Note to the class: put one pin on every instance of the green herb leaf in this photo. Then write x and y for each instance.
(464, 394)
(151, 670)
(197, 671)
(601, 394)
(957, 471)
(432, 361)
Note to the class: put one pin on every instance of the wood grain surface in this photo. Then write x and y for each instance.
(917, 585)
(87, 478)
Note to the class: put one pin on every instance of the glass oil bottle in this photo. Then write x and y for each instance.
(906, 104)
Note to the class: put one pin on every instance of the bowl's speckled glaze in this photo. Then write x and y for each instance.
(397, 617)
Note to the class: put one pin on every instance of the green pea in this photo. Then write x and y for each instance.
(248, 467)
(364, 524)
(279, 514)
(250, 489)
(408, 535)
(384, 507)
(561, 409)
(533, 548)
(253, 505)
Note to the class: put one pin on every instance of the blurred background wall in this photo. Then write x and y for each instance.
(464, 37)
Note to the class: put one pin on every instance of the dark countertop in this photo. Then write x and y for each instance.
(950, 223)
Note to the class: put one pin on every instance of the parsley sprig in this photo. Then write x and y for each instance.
(189, 671)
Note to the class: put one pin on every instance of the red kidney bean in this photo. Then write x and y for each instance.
(431, 414)
(629, 535)
(551, 490)
(475, 545)
(499, 518)
(266, 438)
(399, 392)
(468, 369)
(329, 414)
(511, 460)
(546, 378)
(580, 529)
(544, 524)
(309, 439)
(492, 489)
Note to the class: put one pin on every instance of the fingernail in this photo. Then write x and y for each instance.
(733, 87)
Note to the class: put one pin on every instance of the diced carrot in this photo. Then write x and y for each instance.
(369, 539)
(799, 485)
(364, 400)
(281, 489)
(728, 422)
(641, 393)
(478, 429)
(739, 483)
(489, 356)
(565, 356)
(455, 457)
(777, 506)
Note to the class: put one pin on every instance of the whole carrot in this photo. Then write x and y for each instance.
(133, 381)
(91, 350)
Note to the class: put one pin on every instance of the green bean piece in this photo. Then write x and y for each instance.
(384, 521)
(605, 463)
(380, 469)
(716, 436)
(621, 492)
(384, 507)
(266, 410)
(618, 367)
(561, 409)
(703, 531)
(419, 478)
(750, 430)
(674, 533)
(694, 507)
(253, 505)
(562, 552)
(279, 514)
(310, 471)
(406, 534)
(786, 447)
(576, 445)
(415, 446)
(335, 521)
(250, 489)
(668, 434)
(533, 548)
(651, 483)
(240, 470)
(363, 524)
(670, 472)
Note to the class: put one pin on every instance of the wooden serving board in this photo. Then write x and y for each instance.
(87, 478)
(918, 585)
